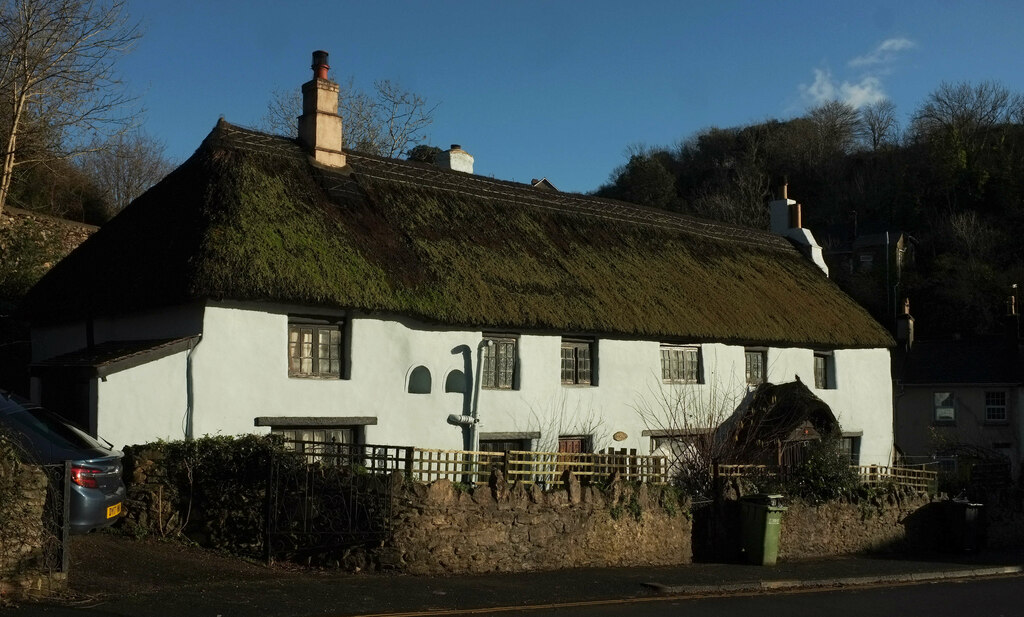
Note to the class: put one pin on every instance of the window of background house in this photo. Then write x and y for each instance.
(995, 406)
(756, 366)
(824, 370)
(499, 363)
(945, 408)
(680, 363)
(314, 350)
(577, 362)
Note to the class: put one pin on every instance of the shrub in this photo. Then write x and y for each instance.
(825, 473)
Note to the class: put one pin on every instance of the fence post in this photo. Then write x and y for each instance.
(409, 450)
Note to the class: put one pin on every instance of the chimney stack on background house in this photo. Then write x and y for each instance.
(905, 327)
(787, 220)
(456, 158)
(320, 124)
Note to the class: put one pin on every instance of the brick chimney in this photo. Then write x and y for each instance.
(786, 220)
(320, 124)
(456, 159)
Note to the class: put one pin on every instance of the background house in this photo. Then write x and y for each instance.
(270, 284)
(957, 400)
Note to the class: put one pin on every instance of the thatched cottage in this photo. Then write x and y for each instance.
(289, 285)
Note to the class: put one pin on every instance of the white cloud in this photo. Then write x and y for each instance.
(863, 89)
(883, 53)
(826, 88)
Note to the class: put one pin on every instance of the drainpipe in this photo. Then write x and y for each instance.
(190, 389)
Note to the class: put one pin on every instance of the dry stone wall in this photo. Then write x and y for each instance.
(439, 529)
(25, 565)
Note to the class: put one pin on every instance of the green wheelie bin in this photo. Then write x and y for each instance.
(761, 516)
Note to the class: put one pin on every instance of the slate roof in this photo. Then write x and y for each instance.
(248, 217)
(985, 360)
(111, 357)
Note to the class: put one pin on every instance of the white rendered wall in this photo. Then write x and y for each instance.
(241, 373)
(143, 404)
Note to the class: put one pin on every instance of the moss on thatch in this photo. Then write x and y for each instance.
(249, 218)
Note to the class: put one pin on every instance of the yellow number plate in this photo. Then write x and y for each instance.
(113, 510)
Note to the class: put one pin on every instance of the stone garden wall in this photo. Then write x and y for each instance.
(442, 530)
(26, 545)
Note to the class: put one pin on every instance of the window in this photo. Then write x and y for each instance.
(499, 363)
(680, 364)
(945, 409)
(849, 447)
(824, 371)
(995, 406)
(314, 350)
(326, 445)
(504, 445)
(577, 362)
(756, 366)
(573, 444)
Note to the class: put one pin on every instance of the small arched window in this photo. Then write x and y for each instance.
(456, 382)
(419, 380)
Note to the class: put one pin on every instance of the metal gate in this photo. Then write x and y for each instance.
(325, 498)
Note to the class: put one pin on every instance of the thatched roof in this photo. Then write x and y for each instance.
(249, 218)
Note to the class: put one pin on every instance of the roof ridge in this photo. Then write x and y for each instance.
(470, 185)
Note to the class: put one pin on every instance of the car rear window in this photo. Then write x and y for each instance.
(51, 429)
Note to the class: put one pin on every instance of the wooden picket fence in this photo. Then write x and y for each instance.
(546, 468)
(917, 477)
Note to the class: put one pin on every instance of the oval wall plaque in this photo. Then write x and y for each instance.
(620, 436)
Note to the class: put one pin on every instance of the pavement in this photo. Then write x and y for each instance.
(116, 576)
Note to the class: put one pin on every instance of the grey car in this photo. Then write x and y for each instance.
(97, 487)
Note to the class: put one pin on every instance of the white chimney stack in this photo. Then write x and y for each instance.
(787, 220)
(320, 124)
(456, 159)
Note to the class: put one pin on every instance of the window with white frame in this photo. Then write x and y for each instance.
(499, 362)
(756, 362)
(680, 363)
(577, 361)
(314, 349)
(945, 407)
(995, 406)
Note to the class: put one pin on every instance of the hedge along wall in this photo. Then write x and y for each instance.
(441, 530)
(26, 545)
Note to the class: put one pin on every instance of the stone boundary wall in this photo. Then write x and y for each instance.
(439, 529)
(843, 528)
(23, 543)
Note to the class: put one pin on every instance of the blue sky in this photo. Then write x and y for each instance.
(561, 89)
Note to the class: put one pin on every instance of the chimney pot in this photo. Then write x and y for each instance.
(320, 65)
(456, 147)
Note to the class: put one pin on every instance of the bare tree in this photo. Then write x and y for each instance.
(691, 421)
(57, 61)
(878, 124)
(835, 124)
(124, 166)
(966, 110)
(387, 122)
